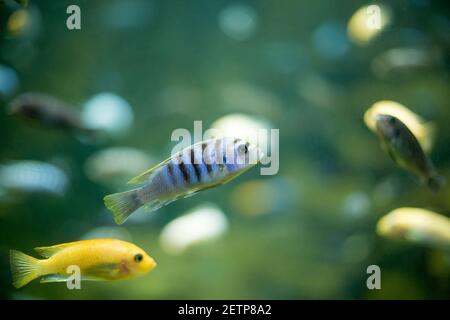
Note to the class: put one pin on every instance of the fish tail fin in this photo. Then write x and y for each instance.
(123, 204)
(436, 182)
(24, 268)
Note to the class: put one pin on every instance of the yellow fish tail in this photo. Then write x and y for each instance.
(24, 268)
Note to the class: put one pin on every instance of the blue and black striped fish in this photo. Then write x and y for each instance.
(200, 166)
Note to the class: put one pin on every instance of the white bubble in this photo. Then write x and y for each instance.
(238, 22)
(253, 129)
(109, 112)
(33, 176)
(204, 223)
(116, 165)
(356, 204)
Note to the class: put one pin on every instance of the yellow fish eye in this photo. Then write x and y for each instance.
(138, 258)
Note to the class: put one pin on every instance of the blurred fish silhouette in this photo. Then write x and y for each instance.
(403, 147)
(98, 260)
(424, 131)
(198, 167)
(50, 112)
(416, 225)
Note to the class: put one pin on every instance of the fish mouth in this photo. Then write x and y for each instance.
(152, 265)
(382, 117)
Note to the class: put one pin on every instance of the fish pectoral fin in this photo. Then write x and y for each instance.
(143, 177)
(53, 278)
(392, 155)
(101, 271)
(64, 278)
(47, 252)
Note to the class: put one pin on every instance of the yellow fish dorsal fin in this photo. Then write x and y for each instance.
(47, 252)
(428, 136)
(143, 177)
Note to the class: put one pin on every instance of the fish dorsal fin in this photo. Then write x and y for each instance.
(428, 137)
(143, 177)
(47, 252)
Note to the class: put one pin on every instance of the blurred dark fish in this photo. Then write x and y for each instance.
(50, 112)
(403, 147)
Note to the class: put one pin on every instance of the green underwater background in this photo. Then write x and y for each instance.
(308, 232)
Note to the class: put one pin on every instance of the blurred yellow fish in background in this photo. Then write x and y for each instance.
(416, 225)
(368, 22)
(423, 131)
(98, 260)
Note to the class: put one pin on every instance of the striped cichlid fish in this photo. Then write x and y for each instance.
(200, 166)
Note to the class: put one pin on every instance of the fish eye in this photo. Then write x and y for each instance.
(138, 258)
(392, 120)
(243, 149)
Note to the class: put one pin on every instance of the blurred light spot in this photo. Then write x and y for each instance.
(181, 99)
(261, 197)
(355, 248)
(368, 22)
(243, 126)
(285, 57)
(238, 22)
(242, 97)
(24, 23)
(416, 225)
(424, 132)
(8, 81)
(109, 112)
(18, 21)
(387, 190)
(119, 233)
(318, 91)
(126, 14)
(116, 165)
(330, 40)
(356, 205)
(403, 59)
(204, 223)
(33, 176)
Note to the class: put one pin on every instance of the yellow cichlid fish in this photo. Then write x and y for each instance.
(98, 260)
(416, 225)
